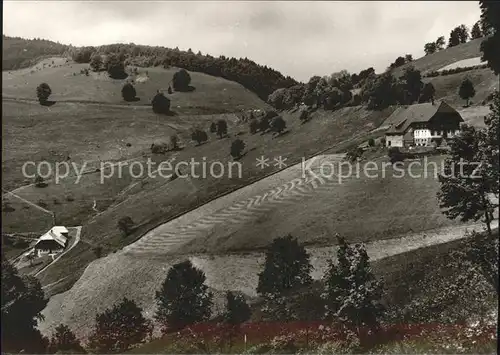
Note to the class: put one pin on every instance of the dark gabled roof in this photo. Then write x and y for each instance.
(416, 113)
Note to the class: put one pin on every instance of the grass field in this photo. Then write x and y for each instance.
(484, 80)
(472, 62)
(443, 58)
(211, 94)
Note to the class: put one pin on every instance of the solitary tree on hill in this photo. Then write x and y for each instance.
(119, 328)
(173, 142)
(160, 103)
(413, 83)
(221, 128)
(253, 125)
(466, 91)
(183, 298)
(428, 92)
(440, 42)
(199, 136)
(64, 340)
(237, 148)
(126, 225)
(304, 116)
(476, 31)
(278, 125)
(430, 48)
(181, 80)
(43, 92)
(458, 35)
(352, 293)
(286, 267)
(115, 67)
(213, 127)
(128, 92)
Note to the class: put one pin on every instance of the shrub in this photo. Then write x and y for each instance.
(181, 80)
(64, 340)
(237, 148)
(97, 251)
(304, 115)
(199, 136)
(43, 92)
(371, 142)
(354, 154)
(128, 92)
(174, 142)
(253, 125)
(126, 225)
(159, 148)
(221, 128)
(278, 124)
(395, 155)
(119, 328)
(39, 182)
(160, 103)
(213, 127)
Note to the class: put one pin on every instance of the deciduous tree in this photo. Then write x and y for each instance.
(237, 148)
(183, 298)
(286, 267)
(118, 328)
(221, 128)
(65, 341)
(43, 92)
(352, 293)
(466, 91)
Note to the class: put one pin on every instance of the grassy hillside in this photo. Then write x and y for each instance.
(20, 53)
(154, 201)
(444, 57)
(484, 80)
(68, 84)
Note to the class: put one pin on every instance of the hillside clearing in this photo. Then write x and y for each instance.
(444, 57)
(465, 63)
(211, 94)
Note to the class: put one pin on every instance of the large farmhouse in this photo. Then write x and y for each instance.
(423, 124)
(53, 241)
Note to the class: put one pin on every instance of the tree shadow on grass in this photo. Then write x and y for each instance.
(135, 99)
(47, 103)
(240, 157)
(189, 88)
(281, 134)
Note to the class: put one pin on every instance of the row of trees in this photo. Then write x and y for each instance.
(260, 79)
(459, 35)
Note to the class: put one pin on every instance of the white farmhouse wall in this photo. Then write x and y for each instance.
(394, 140)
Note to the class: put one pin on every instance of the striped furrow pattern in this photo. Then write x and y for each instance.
(241, 212)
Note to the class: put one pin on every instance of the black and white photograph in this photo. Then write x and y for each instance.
(250, 177)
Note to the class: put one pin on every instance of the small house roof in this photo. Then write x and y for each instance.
(416, 113)
(55, 234)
